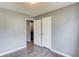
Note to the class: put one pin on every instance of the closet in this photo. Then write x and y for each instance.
(43, 32)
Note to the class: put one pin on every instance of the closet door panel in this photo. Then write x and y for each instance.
(37, 32)
(46, 32)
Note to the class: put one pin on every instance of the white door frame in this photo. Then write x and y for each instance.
(26, 28)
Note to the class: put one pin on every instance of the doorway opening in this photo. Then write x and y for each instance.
(30, 33)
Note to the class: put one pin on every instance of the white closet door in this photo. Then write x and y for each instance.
(46, 32)
(37, 32)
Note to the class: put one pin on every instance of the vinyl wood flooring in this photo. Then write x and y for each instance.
(33, 50)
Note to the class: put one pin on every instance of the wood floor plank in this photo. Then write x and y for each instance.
(33, 50)
(43, 52)
(49, 55)
(33, 53)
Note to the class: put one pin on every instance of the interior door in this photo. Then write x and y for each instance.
(37, 32)
(46, 32)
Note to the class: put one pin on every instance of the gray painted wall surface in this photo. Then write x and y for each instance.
(12, 30)
(65, 29)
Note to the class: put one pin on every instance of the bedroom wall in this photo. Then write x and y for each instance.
(12, 30)
(65, 29)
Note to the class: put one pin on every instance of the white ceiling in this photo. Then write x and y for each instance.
(36, 9)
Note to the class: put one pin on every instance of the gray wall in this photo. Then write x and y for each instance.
(65, 29)
(12, 30)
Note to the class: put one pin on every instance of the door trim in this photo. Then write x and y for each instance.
(26, 28)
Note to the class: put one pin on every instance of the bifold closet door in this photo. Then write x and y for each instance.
(37, 32)
(46, 32)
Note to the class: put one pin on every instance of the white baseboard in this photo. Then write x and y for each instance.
(12, 51)
(60, 53)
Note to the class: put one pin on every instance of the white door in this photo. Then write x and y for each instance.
(37, 32)
(46, 32)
